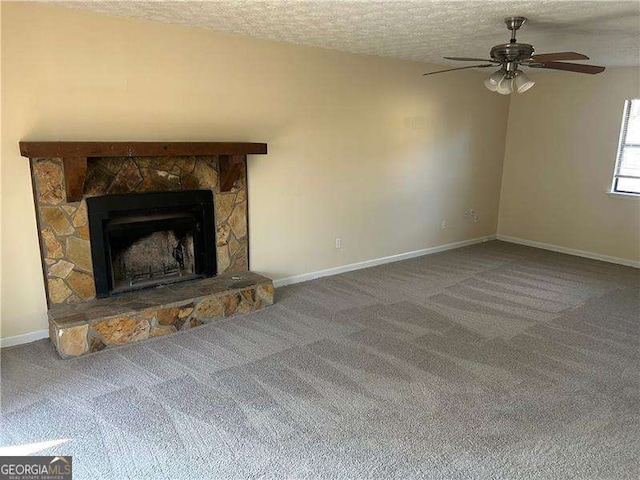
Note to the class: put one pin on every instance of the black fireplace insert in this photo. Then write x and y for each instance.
(148, 239)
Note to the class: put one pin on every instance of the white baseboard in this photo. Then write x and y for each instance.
(281, 282)
(40, 334)
(24, 338)
(570, 251)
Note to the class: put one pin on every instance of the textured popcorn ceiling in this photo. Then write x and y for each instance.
(606, 31)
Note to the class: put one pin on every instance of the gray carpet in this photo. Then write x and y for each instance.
(491, 361)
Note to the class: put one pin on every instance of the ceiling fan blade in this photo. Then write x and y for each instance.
(468, 59)
(570, 67)
(551, 57)
(460, 68)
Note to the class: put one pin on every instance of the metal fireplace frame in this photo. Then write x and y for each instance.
(101, 210)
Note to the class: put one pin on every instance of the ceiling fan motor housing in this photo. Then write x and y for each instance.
(512, 52)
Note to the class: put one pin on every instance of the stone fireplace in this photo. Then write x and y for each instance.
(125, 226)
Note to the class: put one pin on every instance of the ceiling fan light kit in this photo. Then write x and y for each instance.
(513, 55)
(505, 83)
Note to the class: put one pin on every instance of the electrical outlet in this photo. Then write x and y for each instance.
(466, 214)
(476, 219)
(338, 242)
(472, 212)
(443, 224)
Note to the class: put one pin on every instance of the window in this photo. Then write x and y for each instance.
(626, 178)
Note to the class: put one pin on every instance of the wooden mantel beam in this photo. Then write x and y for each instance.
(138, 149)
(231, 157)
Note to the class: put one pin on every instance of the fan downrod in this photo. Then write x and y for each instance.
(513, 24)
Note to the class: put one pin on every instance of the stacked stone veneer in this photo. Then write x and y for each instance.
(78, 329)
(63, 226)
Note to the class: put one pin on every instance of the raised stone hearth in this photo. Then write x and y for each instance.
(78, 329)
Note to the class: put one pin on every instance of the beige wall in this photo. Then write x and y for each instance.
(360, 147)
(560, 154)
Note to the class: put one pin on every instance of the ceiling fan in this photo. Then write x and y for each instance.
(513, 55)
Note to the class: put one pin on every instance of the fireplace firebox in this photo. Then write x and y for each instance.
(149, 239)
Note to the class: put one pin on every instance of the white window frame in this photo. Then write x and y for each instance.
(621, 146)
